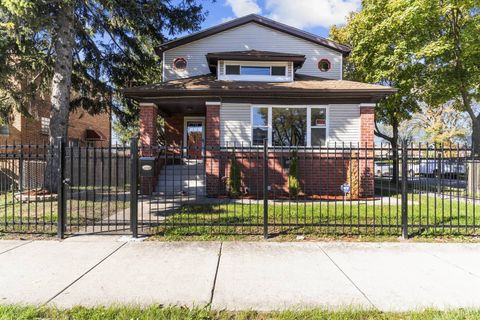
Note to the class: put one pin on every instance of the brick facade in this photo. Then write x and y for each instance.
(367, 129)
(28, 130)
(148, 142)
(212, 140)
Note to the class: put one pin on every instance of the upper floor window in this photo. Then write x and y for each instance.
(45, 125)
(180, 64)
(256, 71)
(324, 65)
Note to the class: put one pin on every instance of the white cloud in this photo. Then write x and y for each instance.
(310, 13)
(244, 7)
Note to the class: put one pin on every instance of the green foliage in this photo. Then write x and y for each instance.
(114, 48)
(293, 182)
(428, 49)
(234, 179)
(382, 52)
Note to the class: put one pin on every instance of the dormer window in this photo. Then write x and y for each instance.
(255, 65)
(269, 71)
(255, 70)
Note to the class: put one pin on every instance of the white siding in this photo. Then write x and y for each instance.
(344, 123)
(251, 36)
(235, 124)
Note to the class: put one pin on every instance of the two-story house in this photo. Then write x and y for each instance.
(251, 79)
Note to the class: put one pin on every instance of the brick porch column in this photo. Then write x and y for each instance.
(148, 142)
(212, 147)
(367, 128)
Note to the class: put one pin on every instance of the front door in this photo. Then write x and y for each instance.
(194, 136)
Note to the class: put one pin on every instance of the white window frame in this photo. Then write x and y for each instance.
(309, 122)
(44, 121)
(288, 77)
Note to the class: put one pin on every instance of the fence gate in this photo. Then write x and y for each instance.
(94, 196)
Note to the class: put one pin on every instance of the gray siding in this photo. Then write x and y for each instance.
(251, 37)
(235, 124)
(344, 123)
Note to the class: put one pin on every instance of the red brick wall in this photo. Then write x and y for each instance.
(212, 143)
(28, 130)
(367, 127)
(318, 173)
(148, 140)
(148, 125)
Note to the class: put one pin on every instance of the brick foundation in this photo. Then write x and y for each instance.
(319, 174)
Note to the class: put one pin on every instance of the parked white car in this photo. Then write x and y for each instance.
(448, 168)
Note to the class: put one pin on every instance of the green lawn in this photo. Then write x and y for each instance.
(382, 218)
(42, 215)
(178, 313)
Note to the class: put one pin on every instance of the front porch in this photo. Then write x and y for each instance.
(209, 119)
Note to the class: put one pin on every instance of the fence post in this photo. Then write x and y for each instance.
(61, 197)
(134, 187)
(265, 188)
(404, 191)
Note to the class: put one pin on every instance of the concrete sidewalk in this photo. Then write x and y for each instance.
(93, 270)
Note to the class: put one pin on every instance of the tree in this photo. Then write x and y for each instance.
(450, 47)
(91, 47)
(428, 49)
(440, 125)
(381, 53)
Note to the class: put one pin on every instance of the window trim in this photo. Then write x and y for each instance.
(175, 67)
(288, 77)
(309, 122)
(326, 61)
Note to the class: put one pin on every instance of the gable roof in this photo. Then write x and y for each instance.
(255, 18)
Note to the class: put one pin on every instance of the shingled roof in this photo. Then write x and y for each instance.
(208, 85)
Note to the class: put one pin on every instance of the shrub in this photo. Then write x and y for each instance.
(293, 182)
(234, 179)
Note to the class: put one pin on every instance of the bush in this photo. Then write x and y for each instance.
(234, 179)
(293, 182)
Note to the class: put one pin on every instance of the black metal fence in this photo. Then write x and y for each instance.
(336, 190)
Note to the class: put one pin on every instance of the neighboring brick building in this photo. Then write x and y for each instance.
(84, 129)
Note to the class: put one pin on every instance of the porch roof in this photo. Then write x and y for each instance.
(303, 86)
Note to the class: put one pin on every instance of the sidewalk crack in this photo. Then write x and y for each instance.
(85, 273)
(216, 273)
(348, 278)
(18, 246)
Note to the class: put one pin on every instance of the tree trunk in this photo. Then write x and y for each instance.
(394, 143)
(61, 83)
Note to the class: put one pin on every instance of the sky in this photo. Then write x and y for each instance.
(315, 16)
